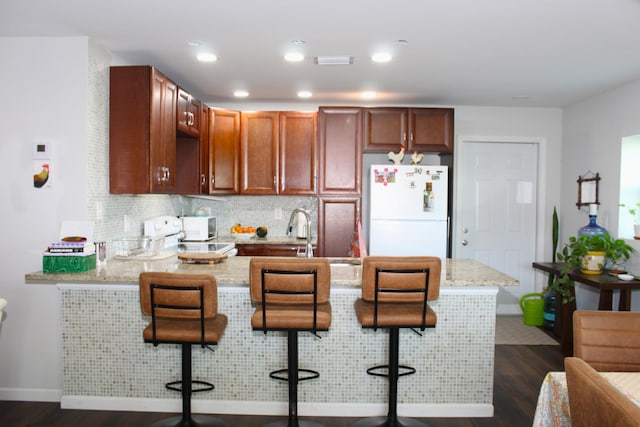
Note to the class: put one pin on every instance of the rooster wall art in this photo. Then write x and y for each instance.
(41, 178)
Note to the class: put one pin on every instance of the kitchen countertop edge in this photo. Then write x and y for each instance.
(234, 271)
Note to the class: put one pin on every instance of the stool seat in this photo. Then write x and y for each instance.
(393, 314)
(283, 317)
(177, 331)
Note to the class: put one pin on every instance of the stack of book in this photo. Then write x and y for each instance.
(65, 248)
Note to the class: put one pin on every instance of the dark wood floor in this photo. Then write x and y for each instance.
(519, 371)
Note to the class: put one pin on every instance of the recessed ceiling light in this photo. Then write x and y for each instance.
(194, 43)
(293, 57)
(304, 94)
(240, 93)
(381, 57)
(207, 57)
(368, 94)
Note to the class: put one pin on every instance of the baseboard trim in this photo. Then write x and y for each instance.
(276, 408)
(30, 394)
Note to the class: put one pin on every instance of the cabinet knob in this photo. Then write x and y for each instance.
(213, 179)
(203, 180)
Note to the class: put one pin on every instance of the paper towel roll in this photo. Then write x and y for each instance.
(301, 220)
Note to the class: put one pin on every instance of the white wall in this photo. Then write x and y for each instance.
(44, 96)
(592, 132)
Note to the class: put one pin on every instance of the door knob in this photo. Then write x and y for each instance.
(465, 242)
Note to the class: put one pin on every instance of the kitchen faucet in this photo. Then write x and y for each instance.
(309, 250)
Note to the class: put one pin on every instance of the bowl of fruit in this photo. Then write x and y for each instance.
(242, 232)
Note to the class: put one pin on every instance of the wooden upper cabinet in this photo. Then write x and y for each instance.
(204, 149)
(385, 129)
(297, 153)
(431, 130)
(340, 150)
(142, 131)
(278, 152)
(223, 158)
(415, 129)
(259, 152)
(188, 114)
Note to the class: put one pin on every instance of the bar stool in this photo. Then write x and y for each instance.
(395, 294)
(292, 295)
(183, 310)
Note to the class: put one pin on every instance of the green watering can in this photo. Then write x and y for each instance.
(532, 306)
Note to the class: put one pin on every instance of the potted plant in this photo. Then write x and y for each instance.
(634, 211)
(589, 253)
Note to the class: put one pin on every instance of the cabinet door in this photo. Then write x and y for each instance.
(204, 149)
(224, 151)
(259, 152)
(339, 150)
(162, 139)
(188, 114)
(385, 129)
(297, 153)
(431, 130)
(337, 217)
(129, 115)
(248, 249)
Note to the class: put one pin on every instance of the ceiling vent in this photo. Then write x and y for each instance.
(333, 60)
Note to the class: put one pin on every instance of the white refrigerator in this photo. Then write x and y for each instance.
(408, 210)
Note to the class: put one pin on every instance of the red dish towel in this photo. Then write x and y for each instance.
(358, 247)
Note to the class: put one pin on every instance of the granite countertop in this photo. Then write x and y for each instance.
(345, 272)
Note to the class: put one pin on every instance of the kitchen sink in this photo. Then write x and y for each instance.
(344, 262)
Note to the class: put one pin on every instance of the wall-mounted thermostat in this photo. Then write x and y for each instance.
(42, 150)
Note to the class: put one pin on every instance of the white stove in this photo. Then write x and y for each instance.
(170, 228)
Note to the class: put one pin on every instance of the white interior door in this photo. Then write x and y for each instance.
(496, 209)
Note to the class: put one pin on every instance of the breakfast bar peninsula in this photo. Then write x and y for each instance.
(106, 364)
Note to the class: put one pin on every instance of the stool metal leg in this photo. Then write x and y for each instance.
(186, 419)
(392, 419)
(293, 378)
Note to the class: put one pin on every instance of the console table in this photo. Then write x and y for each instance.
(604, 283)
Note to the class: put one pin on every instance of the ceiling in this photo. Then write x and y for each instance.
(533, 53)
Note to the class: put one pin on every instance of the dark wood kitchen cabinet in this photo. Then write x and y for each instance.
(223, 156)
(337, 218)
(142, 131)
(278, 153)
(340, 178)
(259, 152)
(188, 114)
(297, 153)
(339, 150)
(204, 149)
(271, 249)
(415, 129)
